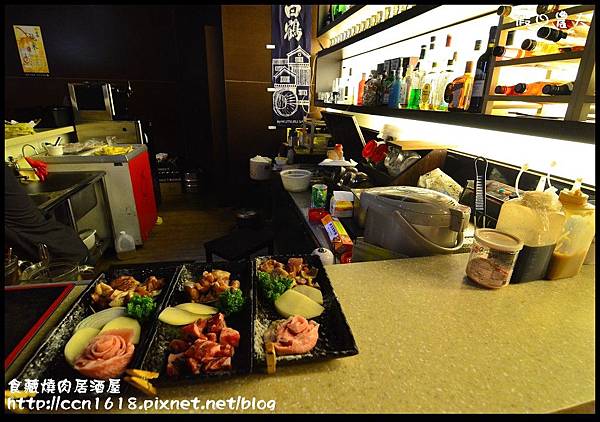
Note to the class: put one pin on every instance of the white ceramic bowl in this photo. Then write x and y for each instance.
(296, 180)
(89, 238)
(280, 161)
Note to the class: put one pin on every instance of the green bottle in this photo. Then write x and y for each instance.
(414, 97)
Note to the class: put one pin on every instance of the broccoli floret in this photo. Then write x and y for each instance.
(274, 285)
(231, 301)
(140, 307)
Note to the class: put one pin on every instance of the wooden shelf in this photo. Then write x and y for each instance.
(558, 129)
(533, 20)
(531, 98)
(572, 55)
(338, 21)
(590, 99)
(393, 21)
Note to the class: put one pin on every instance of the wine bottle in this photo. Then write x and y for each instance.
(394, 98)
(558, 36)
(481, 74)
(516, 11)
(544, 9)
(460, 90)
(563, 89)
(540, 47)
(506, 53)
(428, 87)
(438, 101)
(534, 88)
(405, 87)
(505, 90)
(361, 90)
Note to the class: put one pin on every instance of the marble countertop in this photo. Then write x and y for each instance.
(430, 341)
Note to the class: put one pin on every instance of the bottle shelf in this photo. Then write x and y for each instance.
(571, 56)
(531, 98)
(351, 11)
(558, 129)
(533, 20)
(590, 99)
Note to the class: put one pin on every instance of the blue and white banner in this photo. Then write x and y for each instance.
(290, 70)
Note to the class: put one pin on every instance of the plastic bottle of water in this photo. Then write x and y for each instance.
(125, 246)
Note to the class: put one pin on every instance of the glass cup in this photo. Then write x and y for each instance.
(373, 20)
(395, 9)
(388, 12)
(380, 16)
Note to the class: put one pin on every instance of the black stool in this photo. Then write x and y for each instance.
(239, 244)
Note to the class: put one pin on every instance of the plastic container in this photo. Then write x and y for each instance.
(125, 246)
(576, 237)
(536, 218)
(493, 257)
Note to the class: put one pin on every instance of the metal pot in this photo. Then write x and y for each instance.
(56, 271)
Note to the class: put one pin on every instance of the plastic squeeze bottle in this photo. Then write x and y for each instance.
(577, 234)
(125, 246)
(537, 219)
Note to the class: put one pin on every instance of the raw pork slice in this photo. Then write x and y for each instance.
(107, 355)
(292, 336)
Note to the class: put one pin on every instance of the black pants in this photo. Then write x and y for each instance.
(26, 227)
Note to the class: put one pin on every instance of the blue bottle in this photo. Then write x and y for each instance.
(394, 98)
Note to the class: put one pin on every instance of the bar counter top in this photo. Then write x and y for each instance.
(431, 341)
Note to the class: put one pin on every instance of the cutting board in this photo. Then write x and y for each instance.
(26, 309)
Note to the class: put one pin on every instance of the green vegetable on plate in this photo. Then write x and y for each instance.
(140, 307)
(231, 301)
(274, 286)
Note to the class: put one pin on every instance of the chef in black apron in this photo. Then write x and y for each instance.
(26, 227)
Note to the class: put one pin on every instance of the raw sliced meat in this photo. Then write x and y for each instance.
(230, 336)
(106, 356)
(292, 336)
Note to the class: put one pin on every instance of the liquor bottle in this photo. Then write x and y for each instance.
(564, 89)
(388, 81)
(405, 87)
(380, 76)
(507, 53)
(414, 95)
(371, 90)
(534, 88)
(394, 99)
(574, 28)
(521, 11)
(482, 71)
(561, 38)
(349, 88)
(361, 90)
(460, 90)
(540, 47)
(505, 90)
(544, 9)
(438, 101)
(427, 88)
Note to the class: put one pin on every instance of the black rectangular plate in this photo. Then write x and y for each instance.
(335, 336)
(49, 362)
(157, 352)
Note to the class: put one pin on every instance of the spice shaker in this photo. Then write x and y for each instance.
(493, 257)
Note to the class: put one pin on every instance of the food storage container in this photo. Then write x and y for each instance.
(576, 237)
(493, 256)
(296, 180)
(537, 219)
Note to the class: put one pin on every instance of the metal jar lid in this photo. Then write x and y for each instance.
(498, 240)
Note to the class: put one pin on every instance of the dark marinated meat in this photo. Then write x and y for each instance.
(235, 284)
(221, 275)
(218, 364)
(211, 337)
(195, 329)
(295, 265)
(202, 348)
(152, 283)
(225, 350)
(174, 363)
(280, 272)
(192, 365)
(215, 323)
(267, 266)
(229, 336)
(192, 292)
(178, 346)
(142, 290)
(124, 283)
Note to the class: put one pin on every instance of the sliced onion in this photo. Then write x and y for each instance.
(100, 319)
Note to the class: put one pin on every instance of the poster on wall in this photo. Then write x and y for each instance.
(291, 73)
(31, 49)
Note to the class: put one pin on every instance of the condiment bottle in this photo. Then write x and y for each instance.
(537, 219)
(577, 234)
(339, 150)
(125, 246)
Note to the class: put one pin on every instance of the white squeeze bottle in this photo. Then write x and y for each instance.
(125, 246)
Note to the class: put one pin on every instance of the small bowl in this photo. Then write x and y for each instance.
(296, 180)
(88, 237)
(280, 161)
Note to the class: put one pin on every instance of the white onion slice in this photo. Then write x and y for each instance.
(100, 319)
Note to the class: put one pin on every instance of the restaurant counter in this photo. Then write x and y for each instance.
(430, 341)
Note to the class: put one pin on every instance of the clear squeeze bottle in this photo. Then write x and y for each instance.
(537, 219)
(125, 246)
(577, 234)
